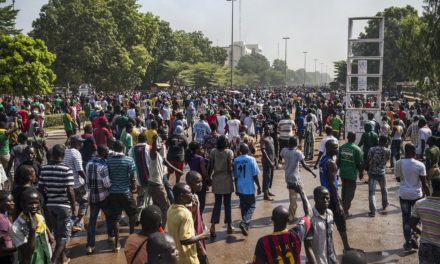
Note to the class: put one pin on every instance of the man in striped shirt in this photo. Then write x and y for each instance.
(121, 170)
(428, 212)
(56, 183)
(99, 185)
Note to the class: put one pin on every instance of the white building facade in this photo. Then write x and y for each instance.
(241, 49)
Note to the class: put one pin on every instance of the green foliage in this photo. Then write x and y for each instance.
(25, 66)
(254, 65)
(201, 74)
(340, 71)
(97, 41)
(7, 19)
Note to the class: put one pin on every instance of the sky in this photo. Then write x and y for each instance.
(316, 26)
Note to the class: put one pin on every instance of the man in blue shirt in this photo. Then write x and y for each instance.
(246, 173)
(201, 128)
(328, 174)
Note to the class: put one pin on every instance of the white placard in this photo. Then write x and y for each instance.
(362, 83)
(362, 67)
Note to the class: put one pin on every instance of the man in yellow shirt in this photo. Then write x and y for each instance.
(180, 225)
(151, 133)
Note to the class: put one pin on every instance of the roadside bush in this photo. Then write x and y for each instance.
(57, 119)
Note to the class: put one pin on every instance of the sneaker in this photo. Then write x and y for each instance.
(230, 230)
(385, 207)
(117, 248)
(413, 241)
(90, 250)
(76, 228)
(371, 214)
(244, 230)
(407, 246)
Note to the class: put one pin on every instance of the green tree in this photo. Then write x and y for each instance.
(279, 65)
(7, 19)
(393, 54)
(25, 66)
(254, 64)
(340, 71)
(97, 41)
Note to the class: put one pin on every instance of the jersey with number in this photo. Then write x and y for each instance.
(282, 247)
(245, 168)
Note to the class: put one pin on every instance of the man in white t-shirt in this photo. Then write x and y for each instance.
(329, 132)
(292, 157)
(221, 122)
(233, 127)
(411, 174)
(73, 159)
(424, 133)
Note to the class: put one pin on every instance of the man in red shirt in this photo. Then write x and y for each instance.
(284, 245)
(102, 133)
(23, 113)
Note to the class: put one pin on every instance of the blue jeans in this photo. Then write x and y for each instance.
(406, 207)
(168, 189)
(429, 254)
(372, 178)
(215, 218)
(91, 228)
(267, 178)
(247, 207)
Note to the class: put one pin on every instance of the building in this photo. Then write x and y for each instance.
(241, 49)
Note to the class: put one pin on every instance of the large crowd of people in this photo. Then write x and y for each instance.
(155, 156)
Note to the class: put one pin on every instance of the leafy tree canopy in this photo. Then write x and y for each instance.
(7, 19)
(25, 66)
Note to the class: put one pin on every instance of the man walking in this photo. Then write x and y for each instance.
(99, 185)
(121, 172)
(73, 159)
(350, 165)
(245, 172)
(375, 165)
(56, 182)
(328, 174)
(411, 174)
(268, 162)
(293, 157)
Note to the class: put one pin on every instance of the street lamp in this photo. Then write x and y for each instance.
(320, 74)
(232, 42)
(305, 64)
(316, 83)
(285, 59)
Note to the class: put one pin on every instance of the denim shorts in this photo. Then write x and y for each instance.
(61, 219)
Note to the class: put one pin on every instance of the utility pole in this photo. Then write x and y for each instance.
(320, 75)
(285, 59)
(316, 83)
(305, 69)
(239, 21)
(232, 42)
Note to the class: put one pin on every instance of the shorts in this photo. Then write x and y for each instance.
(118, 202)
(339, 219)
(178, 164)
(61, 221)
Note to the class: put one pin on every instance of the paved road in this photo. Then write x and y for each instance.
(380, 237)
